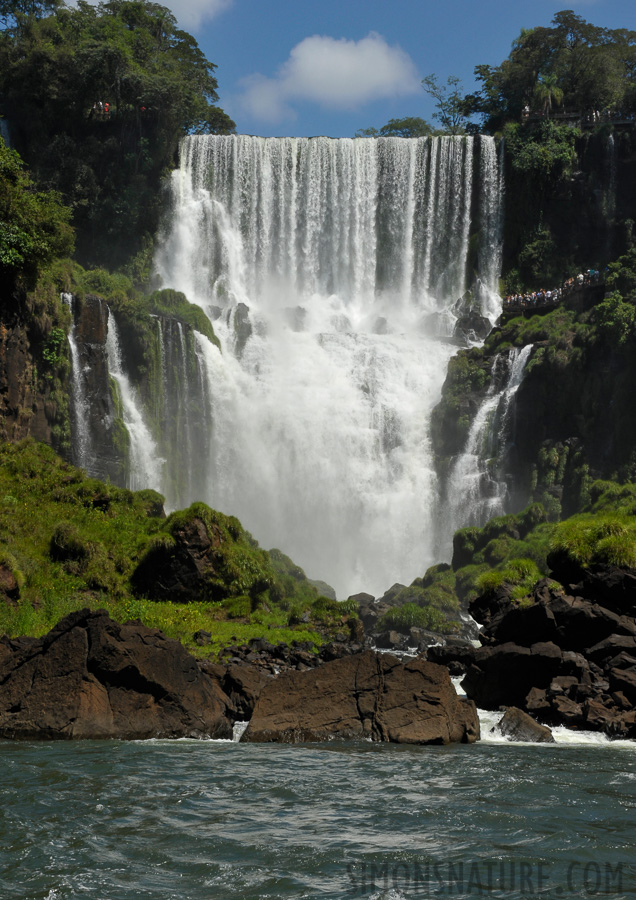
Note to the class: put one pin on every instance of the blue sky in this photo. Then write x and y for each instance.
(312, 67)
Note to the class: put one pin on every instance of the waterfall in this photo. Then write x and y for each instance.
(83, 451)
(184, 426)
(144, 464)
(323, 264)
(477, 489)
(491, 224)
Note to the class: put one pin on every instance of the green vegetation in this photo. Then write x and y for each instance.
(34, 225)
(572, 64)
(516, 551)
(574, 410)
(408, 127)
(72, 541)
(606, 534)
(57, 63)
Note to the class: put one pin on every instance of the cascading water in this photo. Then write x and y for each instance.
(477, 489)
(183, 423)
(324, 263)
(144, 468)
(83, 452)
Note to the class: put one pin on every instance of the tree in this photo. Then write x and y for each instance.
(159, 85)
(450, 103)
(546, 92)
(573, 63)
(408, 127)
(34, 225)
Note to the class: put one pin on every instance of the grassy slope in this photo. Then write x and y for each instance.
(72, 541)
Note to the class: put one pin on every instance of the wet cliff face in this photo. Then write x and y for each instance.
(580, 217)
(573, 412)
(99, 439)
(34, 370)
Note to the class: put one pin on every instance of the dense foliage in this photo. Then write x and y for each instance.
(572, 64)
(71, 541)
(56, 73)
(34, 225)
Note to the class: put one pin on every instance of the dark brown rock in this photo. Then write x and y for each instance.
(517, 725)
(611, 586)
(9, 588)
(537, 701)
(389, 640)
(370, 695)
(186, 573)
(91, 677)
(567, 712)
(610, 647)
(624, 680)
(456, 656)
(504, 675)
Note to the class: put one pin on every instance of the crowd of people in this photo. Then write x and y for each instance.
(544, 297)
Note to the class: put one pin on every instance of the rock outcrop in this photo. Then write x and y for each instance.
(564, 658)
(516, 725)
(367, 696)
(91, 677)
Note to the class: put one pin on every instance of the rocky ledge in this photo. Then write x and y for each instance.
(566, 655)
(91, 677)
(370, 696)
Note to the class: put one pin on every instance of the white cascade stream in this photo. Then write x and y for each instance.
(145, 466)
(347, 254)
(475, 492)
(80, 403)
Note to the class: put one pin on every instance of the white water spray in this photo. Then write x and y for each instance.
(343, 251)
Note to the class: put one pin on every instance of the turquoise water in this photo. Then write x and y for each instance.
(196, 820)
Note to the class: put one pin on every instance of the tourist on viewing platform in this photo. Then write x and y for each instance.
(543, 297)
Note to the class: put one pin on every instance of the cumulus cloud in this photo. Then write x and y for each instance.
(192, 13)
(189, 13)
(337, 74)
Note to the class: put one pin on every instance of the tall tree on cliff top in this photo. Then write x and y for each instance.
(56, 70)
(592, 69)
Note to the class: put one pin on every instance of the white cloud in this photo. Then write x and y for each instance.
(192, 13)
(337, 74)
(189, 13)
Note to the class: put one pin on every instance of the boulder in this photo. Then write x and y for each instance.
(91, 677)
(611, 586)
(9, 587)
(389, 640)
(516, 725)
(504, 675)
(241, 683)
(368, 696)
(456, 655)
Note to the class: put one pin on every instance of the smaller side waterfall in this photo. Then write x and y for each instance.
(145, 465)
(477, 488)
(182, 414)
(82, 451)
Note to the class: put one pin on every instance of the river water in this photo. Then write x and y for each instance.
(213, 820)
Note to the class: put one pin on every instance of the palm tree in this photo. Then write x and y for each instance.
(547, 92)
